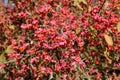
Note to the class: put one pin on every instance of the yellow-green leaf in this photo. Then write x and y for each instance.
(91, 28)
(106, 4)
(108, 39)
(2, 58)
(94, 48)
(83, 1)
(118, 26)
(76, 3)
(89, 8)
(11, 27)
(9, 50)
(109, 60)
(21, 78)
(78, 30)
(106, 53)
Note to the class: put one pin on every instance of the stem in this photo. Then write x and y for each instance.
(10, 61)
(102, 6)
(86, 75)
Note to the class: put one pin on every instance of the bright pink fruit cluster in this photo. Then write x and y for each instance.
(60, 39)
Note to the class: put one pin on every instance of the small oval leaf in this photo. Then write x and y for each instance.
(106, 53)
(9, 50)
(118, 26)
(2, 58)
(108, 39)
(11, 27)
(78, 30)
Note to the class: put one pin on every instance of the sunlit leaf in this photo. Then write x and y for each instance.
(2, 57)
(94, 48)
(11, 27)
(108, 39)
(78, 30)
(51, 76)
(77, 78)
(117, 57)
(89, 8)
(106, 4)
(9, 50)
(118, 26)
(106, 53)
(109, 60)
(76, 3)
(92, 28)
(21, 78)
(83, 1)
(104, 65)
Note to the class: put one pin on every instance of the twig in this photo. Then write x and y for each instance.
(10, 61)
(86, 75)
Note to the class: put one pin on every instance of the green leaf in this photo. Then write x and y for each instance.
(106, 53)
(92, 28)
(108, 39)
(116, 57)
(83, 1)
(104, 65)
(9, 50)
(78, 30)
(106, 4)
(89, 8)
(77, 78)
(51, 76)
(2, 58)
(77, 3)
(94, 48)
(21, 78)
(118, 26)
(11, 27)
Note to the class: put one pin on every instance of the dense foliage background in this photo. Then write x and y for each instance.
(60, 40)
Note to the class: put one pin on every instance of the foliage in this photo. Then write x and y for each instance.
(60, 40)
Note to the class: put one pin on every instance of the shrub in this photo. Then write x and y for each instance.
(60, 40)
